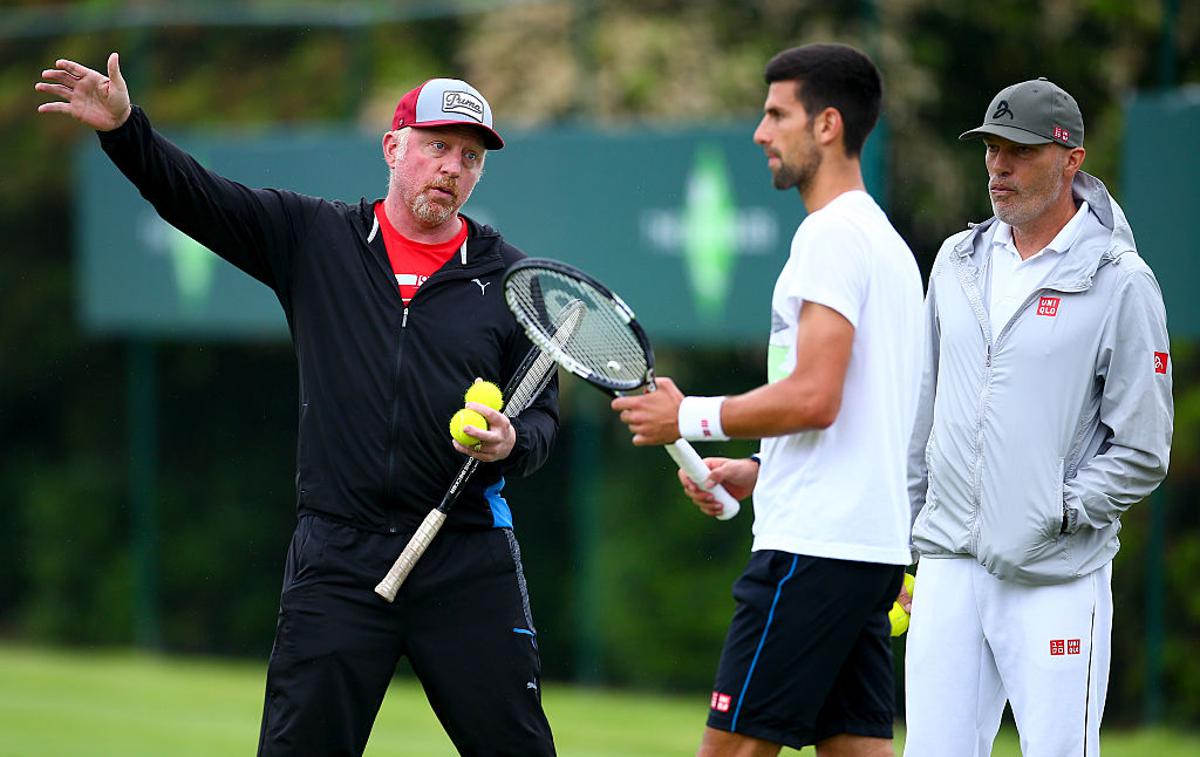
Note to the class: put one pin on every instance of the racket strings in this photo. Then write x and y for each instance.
(603, 345)
(542, 369)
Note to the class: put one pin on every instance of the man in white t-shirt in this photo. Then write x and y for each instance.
(807, 659)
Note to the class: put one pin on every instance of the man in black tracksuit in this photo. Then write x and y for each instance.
(394, 308)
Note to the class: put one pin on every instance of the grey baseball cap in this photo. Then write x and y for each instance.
(1033, 112)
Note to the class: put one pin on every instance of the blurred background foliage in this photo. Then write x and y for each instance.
(639, 594)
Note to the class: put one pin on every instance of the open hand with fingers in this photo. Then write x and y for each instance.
(93, 99)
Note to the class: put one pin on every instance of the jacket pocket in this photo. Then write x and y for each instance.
(299, 556)
(1052, 505)
(921, 521)
(940, 525)
(1045, 508)
(932, 490)
(1022, 522)
(306, 467)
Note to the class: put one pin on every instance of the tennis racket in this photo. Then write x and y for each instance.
(527, 382)
(609, 350)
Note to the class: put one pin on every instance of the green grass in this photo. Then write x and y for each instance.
(89, 704)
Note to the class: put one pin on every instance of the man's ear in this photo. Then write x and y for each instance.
(389, 148)
(828, 126)
(1075, 159)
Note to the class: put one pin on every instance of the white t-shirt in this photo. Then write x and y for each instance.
(841, 492)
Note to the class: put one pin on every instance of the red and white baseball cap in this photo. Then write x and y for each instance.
(447, 102)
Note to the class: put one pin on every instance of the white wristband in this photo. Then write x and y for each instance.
(700, 419)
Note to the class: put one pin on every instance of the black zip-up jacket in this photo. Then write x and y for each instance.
(378, 381)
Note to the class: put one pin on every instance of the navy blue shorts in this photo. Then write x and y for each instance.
(809, 651)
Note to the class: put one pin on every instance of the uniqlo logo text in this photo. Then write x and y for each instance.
(1048, 306)
(1072, 646)
(1160, 362)
(1058, 647)
(704, 429)
(720, 702)
(1061, 133)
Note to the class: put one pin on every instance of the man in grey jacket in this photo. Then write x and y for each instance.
(1045, 413)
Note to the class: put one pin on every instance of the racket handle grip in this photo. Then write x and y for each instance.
(690, 462)
(416, 547)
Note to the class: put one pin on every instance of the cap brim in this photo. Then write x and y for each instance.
(491, 140)
(1011, 133)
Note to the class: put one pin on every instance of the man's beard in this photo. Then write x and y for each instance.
(799, 175)
(425, 210)
(1035, 197)
(431, 213)
(1032, 205)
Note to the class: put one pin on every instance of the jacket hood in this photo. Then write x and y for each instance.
(1078, 269)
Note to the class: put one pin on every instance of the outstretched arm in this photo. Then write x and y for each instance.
(255, 229)
(91, 98)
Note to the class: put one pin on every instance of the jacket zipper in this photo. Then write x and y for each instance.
(393, 425)
(967, 276)
(977, 483)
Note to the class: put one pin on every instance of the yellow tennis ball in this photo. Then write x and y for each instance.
(466, 417)
(897, 614)
(899, 619)
(485, 393)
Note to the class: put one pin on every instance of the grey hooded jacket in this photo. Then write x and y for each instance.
(1063, 416)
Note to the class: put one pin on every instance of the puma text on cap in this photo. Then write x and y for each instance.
(447, 102)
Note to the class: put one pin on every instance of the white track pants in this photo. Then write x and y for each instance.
(976, 641)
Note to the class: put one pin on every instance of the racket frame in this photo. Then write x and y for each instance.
(540, 339)
(681, 451)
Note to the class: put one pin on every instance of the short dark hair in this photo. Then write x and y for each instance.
(833, 76)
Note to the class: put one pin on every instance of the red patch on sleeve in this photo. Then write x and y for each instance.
(1160, 362)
